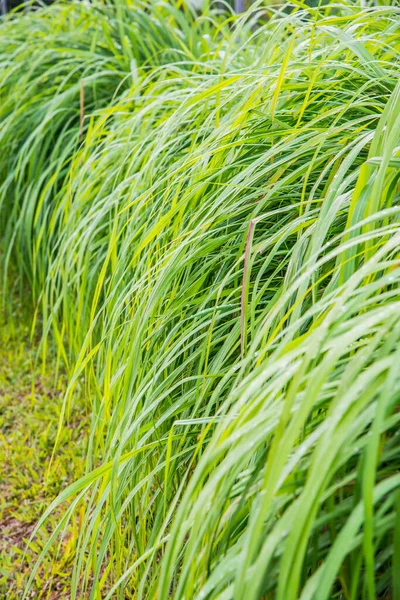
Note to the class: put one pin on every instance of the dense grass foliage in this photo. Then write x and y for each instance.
(59, 66)
(215, 249)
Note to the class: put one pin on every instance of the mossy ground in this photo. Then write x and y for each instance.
(30, 404)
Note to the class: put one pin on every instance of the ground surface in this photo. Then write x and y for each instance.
(30, 403)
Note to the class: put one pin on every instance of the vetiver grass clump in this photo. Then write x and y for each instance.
(224, 275)
(61, 65)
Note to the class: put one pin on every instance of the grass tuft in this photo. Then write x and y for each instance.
(210, 225)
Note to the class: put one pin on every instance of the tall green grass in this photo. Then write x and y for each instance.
(220, 264)
(60, 65)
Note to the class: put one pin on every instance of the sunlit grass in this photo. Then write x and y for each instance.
(218, 261)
